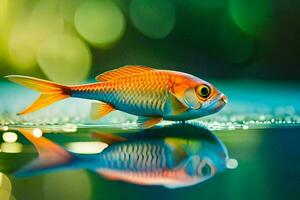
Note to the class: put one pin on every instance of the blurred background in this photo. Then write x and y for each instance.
(70, 41)
(249, 49)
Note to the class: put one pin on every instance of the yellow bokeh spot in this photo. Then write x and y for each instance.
(5, 183)
(22, 49)
(69, 8)
(4, 195)
(86, 147)
(32, 29)
(4, 128)
(5, 188)
(11, 147)
(10, 137)
(65, 59)
(9, 13)
(101, 23)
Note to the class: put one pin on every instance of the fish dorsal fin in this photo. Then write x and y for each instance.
(177, 107)
(108, 138)
(122, 72)
(100, 109)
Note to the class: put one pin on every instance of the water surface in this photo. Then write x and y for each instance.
(259, 128)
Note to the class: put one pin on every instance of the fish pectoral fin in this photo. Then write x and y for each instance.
(108, 138)
(190, 98)
(100, 109)
(148, 122)
(177, 107)
(176, 144)
(122, 72)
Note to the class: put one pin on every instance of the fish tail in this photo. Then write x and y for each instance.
(50, 92)
(52, 157)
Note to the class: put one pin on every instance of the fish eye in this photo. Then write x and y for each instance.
(203, 91)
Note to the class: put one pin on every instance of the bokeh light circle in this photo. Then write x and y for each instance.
(65, 59)
(101, 23)
(69, 8)
(4, 195)
(36, 132)
(22, 49)
(5, 188)
(10, 137)
(232, 163)
(154, 18)
(5, 183)
(30, 31)
(252, 16)
(11, 147)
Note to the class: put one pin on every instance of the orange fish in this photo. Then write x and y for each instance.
(151, 94)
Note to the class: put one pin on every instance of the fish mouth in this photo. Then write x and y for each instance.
(217, 103)
(220, 101)
(223, 99)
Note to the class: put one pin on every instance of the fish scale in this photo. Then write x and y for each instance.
(139, 94)
(136, 157)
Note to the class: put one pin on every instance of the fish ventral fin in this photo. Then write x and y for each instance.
(51, 155)
(176, 106)
(100, 109)
(50, 92)
(122, 72)
(148, 122)
(108, 138)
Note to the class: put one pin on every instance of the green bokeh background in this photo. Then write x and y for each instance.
(211, 39)
(249, 48)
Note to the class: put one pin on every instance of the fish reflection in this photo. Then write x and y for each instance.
(174, 156)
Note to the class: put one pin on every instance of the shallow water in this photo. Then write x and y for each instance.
(259, 129)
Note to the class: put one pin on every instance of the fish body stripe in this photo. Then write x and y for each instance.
(140, 94)
(138, 156)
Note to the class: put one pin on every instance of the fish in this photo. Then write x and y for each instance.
(152, 95)
(154, 157)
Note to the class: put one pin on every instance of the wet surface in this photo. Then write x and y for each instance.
(268, 162)
(252, 104)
